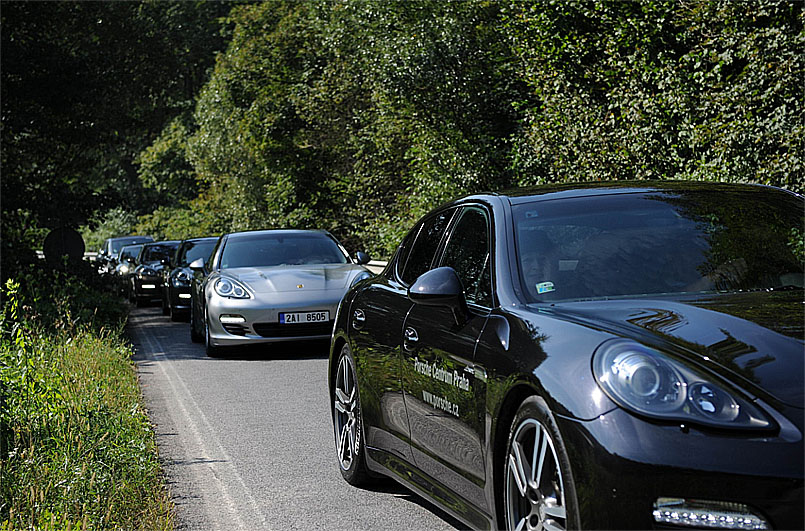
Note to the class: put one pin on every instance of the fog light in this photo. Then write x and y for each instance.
(709, 514)
(184, 295)
(148, 286)
(232, 319)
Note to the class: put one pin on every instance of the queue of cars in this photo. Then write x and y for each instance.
(603, 356)
(244, 287)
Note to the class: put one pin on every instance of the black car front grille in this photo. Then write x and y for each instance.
(293, 330)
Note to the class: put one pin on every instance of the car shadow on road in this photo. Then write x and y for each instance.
(389, 486)
(294, 350)
(152, 332)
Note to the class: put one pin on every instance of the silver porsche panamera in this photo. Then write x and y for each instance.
(270, 286)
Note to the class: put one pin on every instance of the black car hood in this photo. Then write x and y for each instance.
(755, 338)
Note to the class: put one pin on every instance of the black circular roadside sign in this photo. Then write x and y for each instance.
(63, 242)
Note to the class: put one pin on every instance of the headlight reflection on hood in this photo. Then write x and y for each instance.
(227, 287)
(647, 382)
(360, 276)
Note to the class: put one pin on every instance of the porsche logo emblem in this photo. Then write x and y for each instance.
(300, 286)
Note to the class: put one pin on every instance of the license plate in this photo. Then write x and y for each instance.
(304, 317)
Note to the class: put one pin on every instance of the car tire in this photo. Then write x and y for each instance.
(165, 308)
(212, 350)
(195, 337)
(538, 490)
(348, 422)
(175, 316)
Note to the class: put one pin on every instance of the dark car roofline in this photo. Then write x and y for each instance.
(275, 231)
(588, 189)
(201, 239)
(162, 242)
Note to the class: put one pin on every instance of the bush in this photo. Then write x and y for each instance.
(76, 447)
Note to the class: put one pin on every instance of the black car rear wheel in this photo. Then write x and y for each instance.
(348, 422)
(539, 492)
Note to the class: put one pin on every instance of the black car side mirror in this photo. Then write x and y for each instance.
(197, 265)
(441, 287)
(362, 258)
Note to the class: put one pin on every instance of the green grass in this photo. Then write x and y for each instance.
(76, 447)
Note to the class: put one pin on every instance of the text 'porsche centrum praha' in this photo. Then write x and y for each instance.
(602, 356)
(270, 286)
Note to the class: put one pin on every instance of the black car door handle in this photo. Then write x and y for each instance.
(411, 337)
(358, 318)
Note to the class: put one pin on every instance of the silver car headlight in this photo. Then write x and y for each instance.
(643, 380)
(228, 287)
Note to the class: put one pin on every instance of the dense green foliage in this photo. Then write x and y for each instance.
(358, 117)
(76, 448)
(86, 87)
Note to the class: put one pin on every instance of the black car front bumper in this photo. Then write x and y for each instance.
(623, 465)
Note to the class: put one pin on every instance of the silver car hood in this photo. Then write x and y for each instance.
(278, 279)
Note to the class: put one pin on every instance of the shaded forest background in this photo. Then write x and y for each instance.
(196, 118)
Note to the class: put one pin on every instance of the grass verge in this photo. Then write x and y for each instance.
(76, 447)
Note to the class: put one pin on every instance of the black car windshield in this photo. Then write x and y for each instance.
(281, 249)
(118, 244)
(130, 252)
(193, 250)
(155, 253)
(639, 244)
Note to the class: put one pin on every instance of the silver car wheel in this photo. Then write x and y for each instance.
(347, 429)
(535, 493)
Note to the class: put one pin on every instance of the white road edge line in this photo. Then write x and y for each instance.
(183, 396)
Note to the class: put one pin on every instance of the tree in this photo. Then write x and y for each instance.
(85, 87)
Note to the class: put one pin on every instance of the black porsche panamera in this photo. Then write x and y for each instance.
(606, 356)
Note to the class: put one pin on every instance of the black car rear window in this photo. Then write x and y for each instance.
(659, 242)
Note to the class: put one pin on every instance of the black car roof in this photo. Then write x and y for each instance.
(586, 189)
(164, 242)
(275, 231)
(201, 239)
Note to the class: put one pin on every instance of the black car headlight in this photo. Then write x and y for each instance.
(181, 279)
(148, 272)
(643, 380)
(227, 287)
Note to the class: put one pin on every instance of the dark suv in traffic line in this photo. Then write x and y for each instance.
(109, 253)
(177, 275)
(146, 281)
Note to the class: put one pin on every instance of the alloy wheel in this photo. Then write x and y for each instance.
(535, 493)
(347, 414)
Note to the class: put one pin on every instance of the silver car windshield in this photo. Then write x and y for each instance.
(280, 249)
(639, 244)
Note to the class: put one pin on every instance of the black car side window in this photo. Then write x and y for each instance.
(425, 246)
(467, 252)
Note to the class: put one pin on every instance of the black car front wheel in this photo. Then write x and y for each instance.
(195, 337)
(348, 423)
(539, 492)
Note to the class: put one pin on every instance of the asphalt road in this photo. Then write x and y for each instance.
(246, 441)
